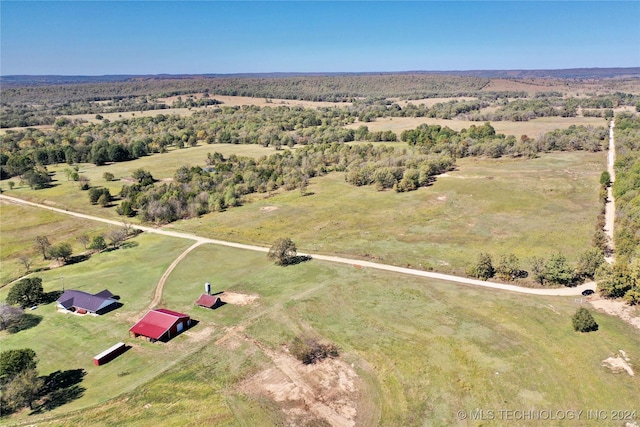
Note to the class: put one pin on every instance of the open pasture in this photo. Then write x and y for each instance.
(21, 225)
(532, 128)
(422, 349)
(527, 207)
(66, 194)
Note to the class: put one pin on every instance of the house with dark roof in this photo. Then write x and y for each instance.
(84, 302)
(161, 325)
(209, 301)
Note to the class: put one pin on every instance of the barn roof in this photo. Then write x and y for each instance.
(208, 301)
(156, 322)
(83, 300)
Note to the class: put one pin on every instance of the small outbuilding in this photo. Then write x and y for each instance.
(84, 302)
(110, 354)
(208, 301)
(161, 325)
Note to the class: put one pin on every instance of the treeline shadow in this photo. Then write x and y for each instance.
(59, 388)
(27, 321)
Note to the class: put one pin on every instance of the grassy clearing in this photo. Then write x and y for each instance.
(66, 341)
(425, 349)
(528, 207)
(18, 230)
(67, 194)
(532, 128)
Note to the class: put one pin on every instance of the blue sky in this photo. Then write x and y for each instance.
(182, 37)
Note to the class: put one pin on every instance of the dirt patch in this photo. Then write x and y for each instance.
(325, 391)
(200, 335)
(238, 299)
(619, 363)
(629, 314)
(268, 208)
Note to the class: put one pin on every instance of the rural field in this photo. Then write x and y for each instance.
(479, 348)
(412, 351)
(531, 128)
(527, 207)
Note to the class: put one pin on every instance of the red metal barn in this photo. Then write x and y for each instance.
(161, 325)
(208, 301)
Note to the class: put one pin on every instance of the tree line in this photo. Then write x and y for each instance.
(128, 139)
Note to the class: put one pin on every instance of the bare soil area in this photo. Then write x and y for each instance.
(619, 363)
(326, 391)
(237, 299)
(629, 314)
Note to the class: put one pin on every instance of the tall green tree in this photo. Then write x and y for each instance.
(508, 267)
(558, 271)
(283, 251)
(26, 293)
(15, 361)
(61, 252)
(23, 390)
(614, 281)
(483, 268)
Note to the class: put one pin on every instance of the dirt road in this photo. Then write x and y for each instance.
(610, 207)
(359, 263)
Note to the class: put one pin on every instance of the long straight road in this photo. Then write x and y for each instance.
(354, 262)
(610, 207)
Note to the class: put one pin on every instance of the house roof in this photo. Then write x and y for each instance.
(156, 322)
(207, 300)
(86, 301)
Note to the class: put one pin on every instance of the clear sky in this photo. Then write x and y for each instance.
(182, 37)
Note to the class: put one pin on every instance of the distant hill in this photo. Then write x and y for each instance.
(570, 73)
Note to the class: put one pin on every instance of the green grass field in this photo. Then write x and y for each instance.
(21, 225)
(528, 207)
(424, 349)
(66, 194)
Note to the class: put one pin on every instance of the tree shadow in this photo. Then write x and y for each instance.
(27, 321)
(77, 258)
(298, 259)
(50, 297)
(129, 244)
(60, 387)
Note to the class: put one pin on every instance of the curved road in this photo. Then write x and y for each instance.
(409, 271)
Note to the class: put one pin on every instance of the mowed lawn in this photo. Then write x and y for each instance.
(527, 207)
(423, 349)
(66, 341)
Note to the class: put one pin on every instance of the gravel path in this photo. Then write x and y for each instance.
(358, 263)
(610, 207)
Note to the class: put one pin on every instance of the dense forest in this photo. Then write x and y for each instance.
(38, 104)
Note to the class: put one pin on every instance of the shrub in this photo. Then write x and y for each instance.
(310, 351)
(583, 321)
(483, 269)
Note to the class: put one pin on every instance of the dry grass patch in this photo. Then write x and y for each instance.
(238, 299)
(532, 128)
